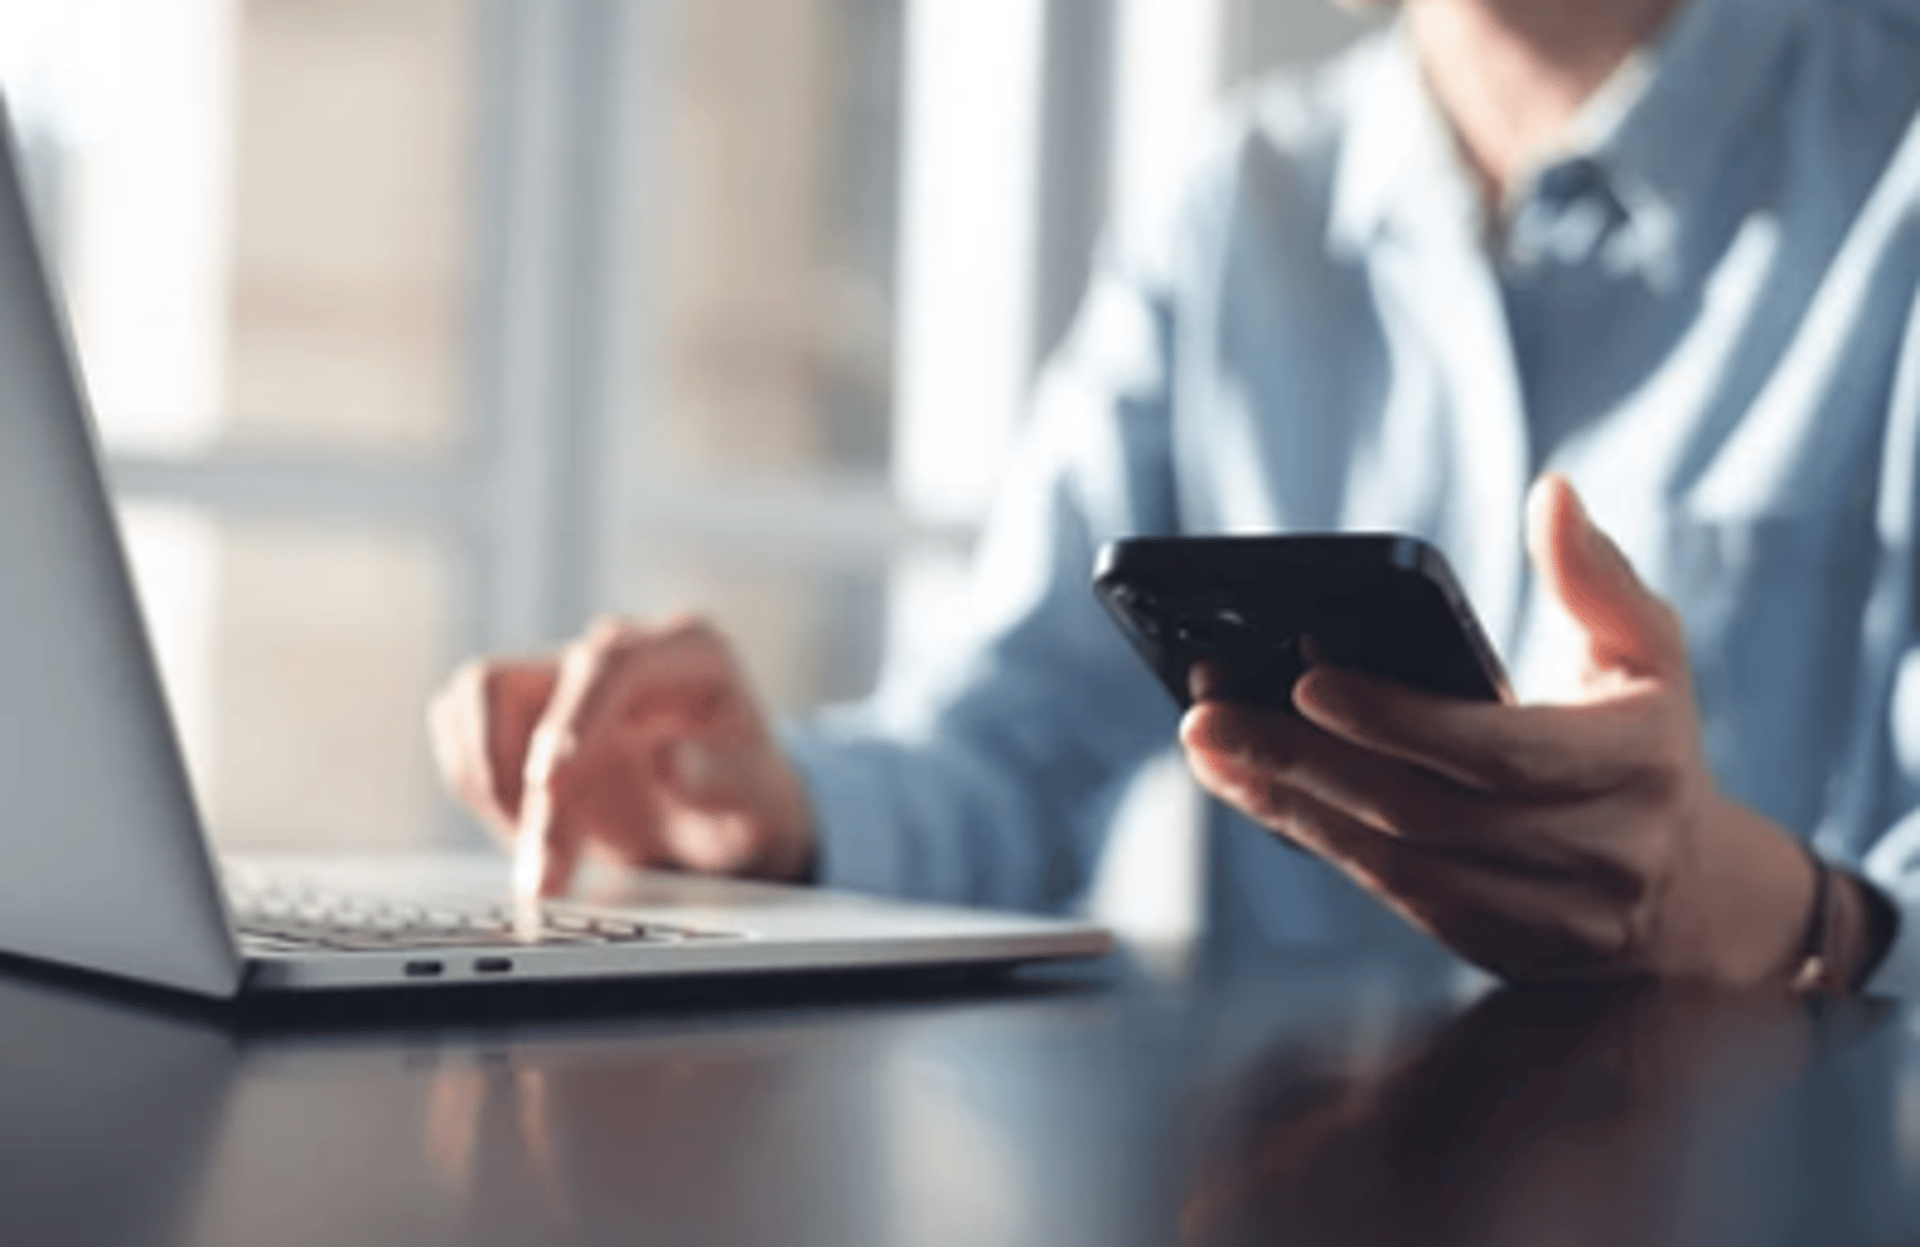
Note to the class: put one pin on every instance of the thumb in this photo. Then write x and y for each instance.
(1629, 628)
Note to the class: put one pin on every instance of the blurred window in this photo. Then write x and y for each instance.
(422, 327)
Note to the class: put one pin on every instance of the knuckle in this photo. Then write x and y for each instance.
(603, 647)
(1511, 770)
(1283, 809)
(1648, 855)
(1632, 933)
(1610, 919)
(1643, 882)
(1268, 801)
(1277, 802)
(611, 641)
(1632, 878)
(606, 629)
(1530, 767)
(694, 631)
(1664, 775)
(468, 684)
(606, 637)
(678, 622)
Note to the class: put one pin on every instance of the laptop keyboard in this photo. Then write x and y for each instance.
(281, 918)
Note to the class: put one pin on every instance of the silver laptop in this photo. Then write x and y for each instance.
(103, 860)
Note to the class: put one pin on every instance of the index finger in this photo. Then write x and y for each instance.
(1548, 751)
(601, 677)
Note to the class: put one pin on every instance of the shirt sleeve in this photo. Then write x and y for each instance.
(982, 778)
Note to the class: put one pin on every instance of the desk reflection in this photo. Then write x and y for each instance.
(1358, 1111)
(1622, 1115)
(835, 1124)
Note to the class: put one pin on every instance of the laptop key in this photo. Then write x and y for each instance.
(361, 924)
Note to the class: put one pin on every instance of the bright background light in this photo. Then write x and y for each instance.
(420, 327)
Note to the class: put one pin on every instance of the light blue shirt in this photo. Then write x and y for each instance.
(1703, 309)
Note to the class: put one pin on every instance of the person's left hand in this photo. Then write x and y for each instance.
(1542, 842)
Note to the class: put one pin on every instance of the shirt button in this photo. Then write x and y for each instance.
(1569, 181)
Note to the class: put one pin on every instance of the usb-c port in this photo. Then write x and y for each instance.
(423, 969)
(493, 965)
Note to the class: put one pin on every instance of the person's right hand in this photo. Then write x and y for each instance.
(642, 739)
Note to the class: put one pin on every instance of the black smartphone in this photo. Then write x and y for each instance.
(1381, 602)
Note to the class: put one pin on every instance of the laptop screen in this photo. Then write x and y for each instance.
(106, 867)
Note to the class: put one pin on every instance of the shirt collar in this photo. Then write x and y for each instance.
(1706, 76)
(1399, 163)
(1687, 93)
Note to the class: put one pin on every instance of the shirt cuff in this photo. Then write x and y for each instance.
(855, 848)
(1898, 973)
(1893, 867)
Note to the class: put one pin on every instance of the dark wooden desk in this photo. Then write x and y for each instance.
(1312, 1104)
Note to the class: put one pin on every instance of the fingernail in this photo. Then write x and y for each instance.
(1597, 543)
(544, 750)
(1542, 500)
(1592, 536)
(529, 874)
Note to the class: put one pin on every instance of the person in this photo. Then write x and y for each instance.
(1658, 257)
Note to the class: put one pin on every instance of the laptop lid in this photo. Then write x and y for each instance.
(102, 864)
